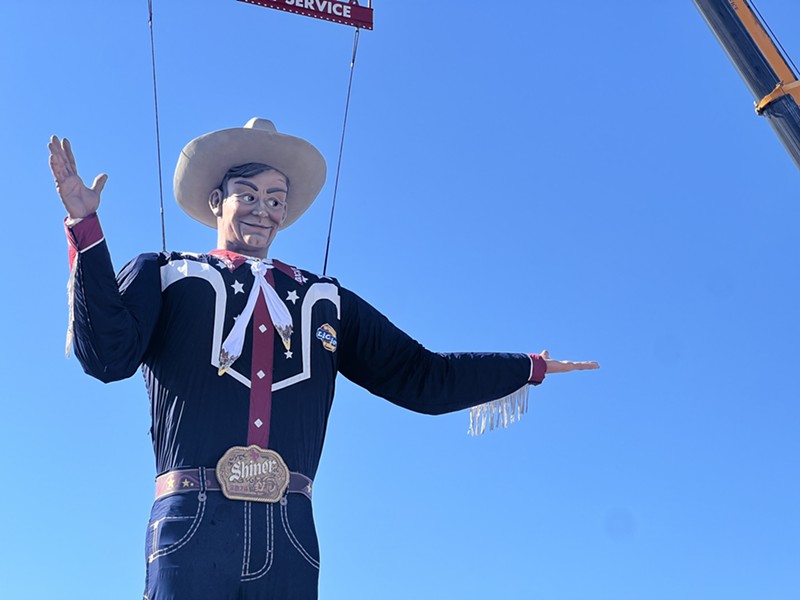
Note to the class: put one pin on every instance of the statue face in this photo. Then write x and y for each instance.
(249, 217)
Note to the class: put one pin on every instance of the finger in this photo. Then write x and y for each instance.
(57, 168)
(59, 159)
(585, 366)
(545, 354)
(70, 155)
(54, 165)
(565, 366)
(54, 146)
(99, 183)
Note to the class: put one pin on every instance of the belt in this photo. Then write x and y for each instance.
(190, 480)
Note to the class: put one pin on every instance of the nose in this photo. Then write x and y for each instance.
(262, 209)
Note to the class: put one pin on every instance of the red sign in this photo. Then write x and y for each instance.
(347, 13)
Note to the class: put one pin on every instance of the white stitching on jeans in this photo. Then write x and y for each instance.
(156, 527)
(246, 552)
(295, 542)
(270, 550)
(198, 517)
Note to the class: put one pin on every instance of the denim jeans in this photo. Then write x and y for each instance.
(203, 546)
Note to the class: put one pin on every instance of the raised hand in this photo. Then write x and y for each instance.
(564, 366)
(79, 200)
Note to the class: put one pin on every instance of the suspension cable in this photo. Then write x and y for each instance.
(784, 54)
(158, 131)
(341, 149)
(158, 138)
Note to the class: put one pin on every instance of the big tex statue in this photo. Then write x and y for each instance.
(240, 353)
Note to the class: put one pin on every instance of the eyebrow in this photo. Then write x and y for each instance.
(247, 183)
(253, 187)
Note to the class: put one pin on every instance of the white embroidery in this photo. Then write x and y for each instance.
(180, 269)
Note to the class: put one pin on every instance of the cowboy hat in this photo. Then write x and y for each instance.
(205, 160)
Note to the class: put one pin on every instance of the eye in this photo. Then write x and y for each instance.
(248, 198)
(274, 203)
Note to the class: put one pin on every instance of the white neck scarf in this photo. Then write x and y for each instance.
(281, 318)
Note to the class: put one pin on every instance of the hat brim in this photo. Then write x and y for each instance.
(205, 160)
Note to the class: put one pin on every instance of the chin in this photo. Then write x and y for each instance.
(254, 244)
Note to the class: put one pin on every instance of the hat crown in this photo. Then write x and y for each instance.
(262, 124)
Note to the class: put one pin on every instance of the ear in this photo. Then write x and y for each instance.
(215, 202)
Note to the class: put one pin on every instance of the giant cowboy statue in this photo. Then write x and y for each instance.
(240, 353)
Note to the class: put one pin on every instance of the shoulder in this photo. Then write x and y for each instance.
(300, 276)
(157, 265)
(143, 262)
(174, 257)
(159, 259)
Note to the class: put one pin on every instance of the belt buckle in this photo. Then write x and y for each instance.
(252, 473)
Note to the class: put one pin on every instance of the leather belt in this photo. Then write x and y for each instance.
(192, 480)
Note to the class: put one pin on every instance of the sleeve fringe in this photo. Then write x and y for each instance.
(71, 305)
(498, 413)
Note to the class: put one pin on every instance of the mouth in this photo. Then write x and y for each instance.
(255, 225)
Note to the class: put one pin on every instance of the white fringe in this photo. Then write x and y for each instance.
(71, 306)
(498, 413)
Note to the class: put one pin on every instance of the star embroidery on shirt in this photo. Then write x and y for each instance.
(292, 297)
(186, 483)
(238, 288)
(288, 354)
(170, 483)
(222, 265)
(237, 317)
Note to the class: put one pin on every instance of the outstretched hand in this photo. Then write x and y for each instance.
(79, 200)
(564, 366)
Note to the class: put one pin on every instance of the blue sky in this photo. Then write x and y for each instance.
(576, 176)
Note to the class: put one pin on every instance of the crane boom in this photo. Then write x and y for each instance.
(761, 63)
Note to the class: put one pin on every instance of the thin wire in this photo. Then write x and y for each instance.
(341, 149)
(158, 131)
(775, 39)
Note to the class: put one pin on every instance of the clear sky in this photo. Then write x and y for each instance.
(581, 176)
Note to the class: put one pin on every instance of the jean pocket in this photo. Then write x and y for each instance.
(298, 525)
(174, 524)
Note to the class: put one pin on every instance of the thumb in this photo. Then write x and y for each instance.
(99, 183)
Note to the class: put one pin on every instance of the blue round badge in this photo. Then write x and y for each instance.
(327, 335)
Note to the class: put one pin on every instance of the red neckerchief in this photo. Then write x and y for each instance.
(234, 260)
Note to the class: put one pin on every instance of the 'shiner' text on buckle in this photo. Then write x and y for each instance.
(252, 473)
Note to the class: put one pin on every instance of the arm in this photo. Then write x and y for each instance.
(112, 320)
(381, 358)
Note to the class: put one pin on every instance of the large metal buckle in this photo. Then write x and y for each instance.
(252, 473)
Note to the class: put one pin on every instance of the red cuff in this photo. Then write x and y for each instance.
(538, 369)
(83, 235)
